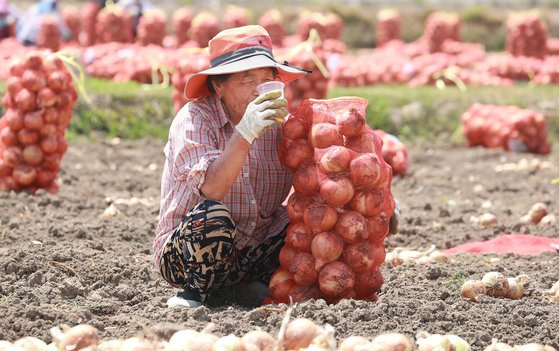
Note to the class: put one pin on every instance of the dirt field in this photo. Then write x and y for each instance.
(61, 262)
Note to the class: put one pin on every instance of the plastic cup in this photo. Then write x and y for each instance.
(270, 86)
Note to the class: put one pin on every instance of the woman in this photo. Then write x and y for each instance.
(28, 27)
(221, 220)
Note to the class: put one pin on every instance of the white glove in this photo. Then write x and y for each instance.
(266, 110)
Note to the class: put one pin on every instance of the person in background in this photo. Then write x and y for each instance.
(9, 15)
(28, 27)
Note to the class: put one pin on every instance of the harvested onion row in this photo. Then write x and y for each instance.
(403, 256)
(539, 213)
(494, 284)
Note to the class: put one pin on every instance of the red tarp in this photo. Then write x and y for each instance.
(511, 243)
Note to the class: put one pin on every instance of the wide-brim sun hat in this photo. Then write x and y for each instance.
(237, 50)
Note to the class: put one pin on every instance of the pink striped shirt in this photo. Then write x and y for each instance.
(198, 135)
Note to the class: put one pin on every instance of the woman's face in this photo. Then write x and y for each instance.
(240, 89)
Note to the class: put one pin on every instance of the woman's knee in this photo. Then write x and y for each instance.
(208, 216)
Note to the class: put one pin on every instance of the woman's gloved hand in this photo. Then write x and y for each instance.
(395, 219)
(266, 110)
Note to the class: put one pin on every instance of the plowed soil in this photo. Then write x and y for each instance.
(62, 261)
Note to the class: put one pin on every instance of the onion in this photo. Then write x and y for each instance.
(13, 85)
(258, 340)
(496, 284)
(228, 343)
(24, 174)
(433, 342)
(317, 113)
(12, 156)
(190, 340)
(303, 269)
(362, 143)
(296, 206)
(299, 237)
(537, 212)
(281, 284)
(473, 289)
(298, 152)
(365, 170)
(25, 100)
(52, 161)
(57, 81)
(29, 343)
(33, 80)
(301, 293)
(45, 178)
(368, 202)
(62, 145)
(378, 227)
(533, 347)
(46, 98)
(323, 135)
(320, 218)
(50, 115)
(305, 179)
(17, 67)
(335, 278)
(516, 287)
(336, 191)
(295, 128)
(32, 154)
(14, 120)
(8, 102)
(286, 255)
(392, 341)
(33, 60)
(299, 334)
(5, 170)
(548, 220)
(64, 100)
(487, 220)
(8, 137)
(27, 137)
(351, 123)
(354, 343)
(335, 159)
(52, 63)
(326, 247)
(137, 344)
(6, 345)
(79, 337)
(368, 282)
(499, 346)
(48, 129)
(379, 253)
(359, 256)
(33, 120)
(351, 226)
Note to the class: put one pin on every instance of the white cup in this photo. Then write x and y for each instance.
(270, 86)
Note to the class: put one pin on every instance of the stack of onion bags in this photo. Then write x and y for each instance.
(341, 206)
(272, 21)
(114, 24)
(203, 28)
(152, 27)
(182, 19)
(39, 100)
(394, 152)
(389, 27)
(195, 62)
(49, 33)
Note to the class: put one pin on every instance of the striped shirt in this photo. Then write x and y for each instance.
(198, 135)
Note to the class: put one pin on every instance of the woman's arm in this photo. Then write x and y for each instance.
(225, 169)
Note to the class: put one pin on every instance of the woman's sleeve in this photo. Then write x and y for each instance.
(194, 148)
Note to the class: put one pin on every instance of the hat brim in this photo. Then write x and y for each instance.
(196, 85)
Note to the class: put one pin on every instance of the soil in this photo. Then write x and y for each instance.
(61, 261)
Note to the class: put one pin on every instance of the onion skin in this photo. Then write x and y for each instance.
(516, 289)
(298, 152)
(335, 159)
(323, 135)
(286, 256)
(281, 284)
(496, 284)
(351, 226)
(299, 237)
(362, 143)
(301, 293)
(297, 205)
(337, 191)
(473, 289)
(299, 334)
(303, 269)
(368, 203)
(32, 155)
(24, 175)
(305, 179)
(320, 218)
(326, 247)
(79, 337)
(359, 256)
(335, 278)
(393, 341)
(377, 227)
(258, 340)
(295, 128)
(365, 170)
(351, 123)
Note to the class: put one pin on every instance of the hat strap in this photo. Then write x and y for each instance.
(241, 54)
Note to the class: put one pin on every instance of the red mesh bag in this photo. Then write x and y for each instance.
(152, 28)
(439, 27)
(341, 207)
(204, 27)
(89, 14)
(71, 17)
(272, 21)
(197, 61)
(389, 27)
(39, 99)
(49, 33)
(394, 152)
(526, 35)
(508, 127)
(182, 19)
(114, 24)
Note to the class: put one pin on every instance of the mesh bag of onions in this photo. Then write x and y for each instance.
(89, 14)
(340, 210)
(273, 21)
(195, 62)
(508, 127)
(389, 26)
(439, 27)
(49, 34)
(182, 20)
(235, 16)
(39, 100)
(152, 27)
(394, 152)
(203, 28)
(71, 16)
(114, 24)
(526, 35)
